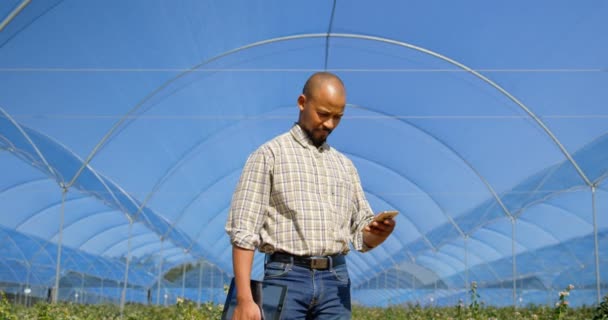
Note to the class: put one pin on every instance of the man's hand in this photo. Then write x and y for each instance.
(247, 310)
(376, 232)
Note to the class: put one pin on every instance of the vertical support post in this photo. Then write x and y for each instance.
(183, 280)
(200, 283)
(82, 297)
(123, 294)
(596, 246)
(514, 258)
(27, 289)
(160, 270)
(385, 279)
(466, 269)
(64, 192)
(211, 290)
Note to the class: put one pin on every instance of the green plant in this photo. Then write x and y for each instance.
(6, 312)
(561, 306)
(601, 312)
(474, 306)
(460, 310)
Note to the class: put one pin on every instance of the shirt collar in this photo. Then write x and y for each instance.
(302, 138)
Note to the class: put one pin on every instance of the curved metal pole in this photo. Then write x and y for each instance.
(327, 35)
(596, 246)
(59, 244)
(29, 140)
(456, 153)
(182, 160)
(14, 13)
(485, 79)
(105, 138)
(339, 35)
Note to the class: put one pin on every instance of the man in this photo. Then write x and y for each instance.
(301, 202)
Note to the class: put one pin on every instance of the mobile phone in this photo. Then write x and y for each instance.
(380, 217)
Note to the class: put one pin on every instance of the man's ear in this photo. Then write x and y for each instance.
(301, 102)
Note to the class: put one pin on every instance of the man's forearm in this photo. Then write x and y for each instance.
(242, 259)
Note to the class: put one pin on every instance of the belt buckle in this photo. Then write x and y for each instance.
(319, 263)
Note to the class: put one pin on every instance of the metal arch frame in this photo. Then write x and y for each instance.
(465, 236)
(180, 252)
(49, 206)
(436, 264)
(29, 140)
(472, 240)
(468, 164)
(503, 235)
(11, 270)
(195, 238)
(13, 14)
(565, 211)
(101, 234)
(464, 249)
(457, 154)
(122, 241)
(183, 159)
(423, 280)
(545, 233)
(352, 36)
(89, 215)
(489, 246)
(90, 263)
(200, 233)
(543, 199)
(22, 183)
(391, 170)
(97, 214)
(42, 251)
(148, 249)
(422, 234)
(19, 250)
(104, 139)
(327, 36)
(57, 175)
(523, 209)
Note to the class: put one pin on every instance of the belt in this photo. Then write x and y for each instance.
(310, 262)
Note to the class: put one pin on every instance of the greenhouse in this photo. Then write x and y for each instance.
(125, 125)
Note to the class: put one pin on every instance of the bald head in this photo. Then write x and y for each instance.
(322, 80)
(321, 106)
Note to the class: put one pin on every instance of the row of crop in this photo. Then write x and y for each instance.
(185, 310)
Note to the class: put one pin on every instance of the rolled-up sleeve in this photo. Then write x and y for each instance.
(250, 201)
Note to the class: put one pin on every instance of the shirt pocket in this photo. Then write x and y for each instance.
(342, 199)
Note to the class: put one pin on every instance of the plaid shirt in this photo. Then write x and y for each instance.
(295, 198)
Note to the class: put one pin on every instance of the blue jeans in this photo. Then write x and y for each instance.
(312, 294)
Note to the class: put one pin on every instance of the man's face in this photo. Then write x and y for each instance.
(321, 111)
